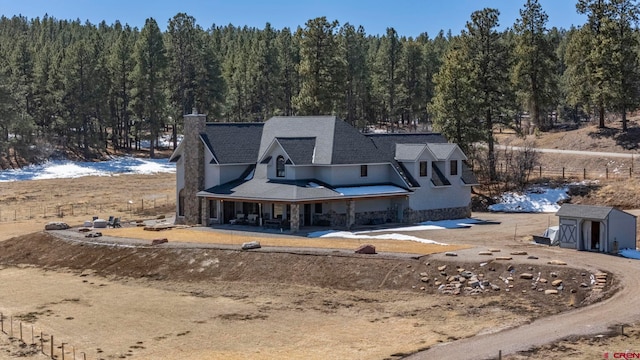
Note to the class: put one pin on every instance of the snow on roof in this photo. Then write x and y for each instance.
(370, 190)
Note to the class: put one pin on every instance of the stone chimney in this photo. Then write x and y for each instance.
(194, 125)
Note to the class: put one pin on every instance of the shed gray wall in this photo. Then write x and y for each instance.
(622, 228)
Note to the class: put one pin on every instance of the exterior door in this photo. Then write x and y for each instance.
(306, 218)
(568, 234)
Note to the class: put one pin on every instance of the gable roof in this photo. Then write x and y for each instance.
(336, 142)
(300, 150)
(441, 151)
(584, 211)
(409, 152)
(386, 143)
(233, 143)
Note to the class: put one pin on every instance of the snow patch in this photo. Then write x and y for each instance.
(535, 200)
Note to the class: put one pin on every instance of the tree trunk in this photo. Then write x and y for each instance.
(601, 117)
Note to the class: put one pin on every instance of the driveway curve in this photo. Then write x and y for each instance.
(622, 308)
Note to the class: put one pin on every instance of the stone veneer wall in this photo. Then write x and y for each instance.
(193, 153)
(416, 216)
(333, 218)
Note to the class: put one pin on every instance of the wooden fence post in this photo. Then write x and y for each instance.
(563, 172)
(540, 167)
(52, 347)
(584, 173)
(606, 172)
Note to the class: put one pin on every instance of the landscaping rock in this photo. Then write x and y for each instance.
(532, 257)
(527, 276)
(485, 253)
(251, 245)
(450, 254)
(556, 282)
(442, 268)
(504, 258)
(424, 279)
(551, 292)
(557, 262)
(56, 225)
(159, 241)
(366, 249)
(518, 253)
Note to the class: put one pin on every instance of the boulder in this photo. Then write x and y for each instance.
(556, 282)
(159, 241)
(557, 262)
(366, 249)
(251, 245)
(56, 225)
(527, 276)
(518, 253)
(442, 268)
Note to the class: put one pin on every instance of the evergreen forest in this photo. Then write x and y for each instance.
(89, 89)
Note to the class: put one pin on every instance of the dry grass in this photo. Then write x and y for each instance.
(207, 236)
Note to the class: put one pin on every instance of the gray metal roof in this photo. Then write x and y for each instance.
(584, 211)
(233, 143)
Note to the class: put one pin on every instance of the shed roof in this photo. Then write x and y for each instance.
(585, 211)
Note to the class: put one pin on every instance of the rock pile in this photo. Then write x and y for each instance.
(495, 276)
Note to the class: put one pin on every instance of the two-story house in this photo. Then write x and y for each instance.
(316, 170)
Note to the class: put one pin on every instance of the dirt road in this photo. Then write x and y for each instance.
(622, 308)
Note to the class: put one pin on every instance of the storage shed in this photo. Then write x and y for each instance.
(596, 228)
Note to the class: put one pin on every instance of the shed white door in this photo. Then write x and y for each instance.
(568, 233)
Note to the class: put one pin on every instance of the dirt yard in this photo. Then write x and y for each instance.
(200, 297)
(197, 301)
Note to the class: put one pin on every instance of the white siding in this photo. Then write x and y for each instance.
(179, 176)
(622, 228)
(231, 172)
(428, 197)
(211, 171)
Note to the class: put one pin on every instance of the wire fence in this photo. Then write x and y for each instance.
(32, 341)
(580, 173)
(142, 206)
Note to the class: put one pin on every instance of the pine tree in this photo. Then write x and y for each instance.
(452, 105)
(148, 79)
(489, 76)
(356, 87)
(320, 68)
(535, 64)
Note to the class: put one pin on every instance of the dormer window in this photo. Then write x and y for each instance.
(423, 168)
(280, 166)
(454, 167)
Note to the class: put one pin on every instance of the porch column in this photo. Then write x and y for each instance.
(204, 212)
(295, 218)
(351, 213)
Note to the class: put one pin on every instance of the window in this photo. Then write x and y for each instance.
(363, 170)
(454, 167)
(181, 203)
(280, 166)
(423, 168)
(318, 208)
(213, 209)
